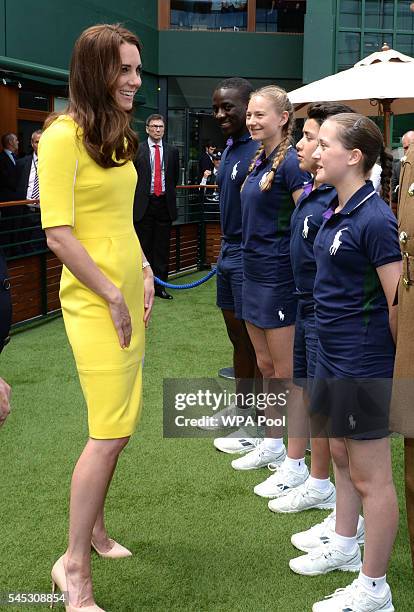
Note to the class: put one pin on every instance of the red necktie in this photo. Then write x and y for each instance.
(157, 172)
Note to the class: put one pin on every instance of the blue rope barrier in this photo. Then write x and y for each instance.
(187, 285)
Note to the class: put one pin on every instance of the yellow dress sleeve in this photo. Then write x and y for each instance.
(57, 167)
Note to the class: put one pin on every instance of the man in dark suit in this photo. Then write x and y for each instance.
(8, 169)
(155, 206)
(206, 160)
(28, 189)
(27, 184)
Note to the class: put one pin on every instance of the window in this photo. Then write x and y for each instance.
(379, 14)
(373, 42)
(405, 16)
(362, 28)
(33, 100)
(349, 44)
(405, 44)
(350, 14)
(365, 25)
(230, 15)
(280, 15)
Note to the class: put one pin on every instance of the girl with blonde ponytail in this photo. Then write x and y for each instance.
(273, 184)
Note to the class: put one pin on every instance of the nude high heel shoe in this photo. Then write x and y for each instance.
(116, 552)
(59, 580)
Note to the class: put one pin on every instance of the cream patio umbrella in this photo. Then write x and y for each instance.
(381, 84)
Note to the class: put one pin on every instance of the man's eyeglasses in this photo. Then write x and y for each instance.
(156, 127)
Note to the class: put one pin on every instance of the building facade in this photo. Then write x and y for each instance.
(189, 46)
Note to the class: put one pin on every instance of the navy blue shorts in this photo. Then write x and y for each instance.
(230, 278)
(306, 344)
(356, 408)
(269, 306)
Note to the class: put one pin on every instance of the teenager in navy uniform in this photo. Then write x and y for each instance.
(230, 101)
(358, 269)
(268, 197)
(317, 491)
(306, 221)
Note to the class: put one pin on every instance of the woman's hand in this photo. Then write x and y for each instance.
(148, 293)
(121, 319)
(5, 392)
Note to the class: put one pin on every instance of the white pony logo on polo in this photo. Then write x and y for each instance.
(234, 171)
(281, 315)
(306, 226)
(336, 242)
(262, 180)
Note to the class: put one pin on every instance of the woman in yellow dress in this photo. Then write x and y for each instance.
(87, 183)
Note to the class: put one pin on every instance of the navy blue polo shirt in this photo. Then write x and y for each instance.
(351, 308)
(233, 168)
(305, 223)
(266, 215)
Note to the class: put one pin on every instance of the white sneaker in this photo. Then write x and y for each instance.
(258, 458)
(218, 420)
(321, 533)
(327, 558)
(305, 498)
(281, 482)
(354, 598)
(238, 442)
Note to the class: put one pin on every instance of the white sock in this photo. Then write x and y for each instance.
(373, 585)
(273, 444)
(320, 484)
(345, 545)
(296, 465)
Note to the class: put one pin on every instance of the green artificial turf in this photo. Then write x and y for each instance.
(202, 541)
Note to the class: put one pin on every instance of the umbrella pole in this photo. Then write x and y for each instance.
(386, 109)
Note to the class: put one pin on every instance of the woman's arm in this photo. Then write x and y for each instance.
(71, 253)
(389, 276)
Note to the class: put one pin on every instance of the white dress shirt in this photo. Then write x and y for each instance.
(151, 144)
(32, 175)
(10, 155)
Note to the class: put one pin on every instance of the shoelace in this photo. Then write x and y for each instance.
(343, 591)
(277, 474)
(323, 526)
(357, 595)
(322, 551)
(297, 494)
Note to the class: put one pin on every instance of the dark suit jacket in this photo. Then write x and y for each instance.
(24, 165)
(172, 174)
(205, 163)
(8, 178)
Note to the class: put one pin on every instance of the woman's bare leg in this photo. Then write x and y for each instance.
(90, 481)
(371, 474)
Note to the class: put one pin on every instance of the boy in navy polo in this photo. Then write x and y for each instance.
(230, 100)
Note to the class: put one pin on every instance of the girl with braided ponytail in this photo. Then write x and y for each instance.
(273, 184)
(358, 269)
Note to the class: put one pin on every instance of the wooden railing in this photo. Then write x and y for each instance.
(34, 271)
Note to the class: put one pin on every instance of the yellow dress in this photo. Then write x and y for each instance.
(97, 203)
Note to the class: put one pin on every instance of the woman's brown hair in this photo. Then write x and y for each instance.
(94, 70)
(359, 132)
(281, 102)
